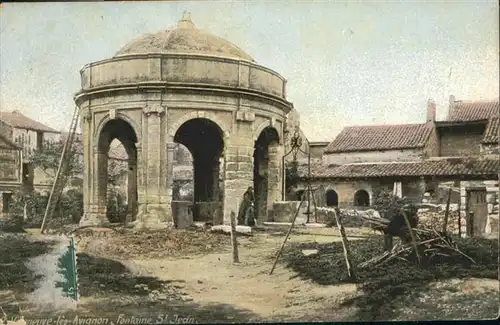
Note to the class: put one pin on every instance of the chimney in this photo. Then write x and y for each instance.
(450, 106)
(431, 111)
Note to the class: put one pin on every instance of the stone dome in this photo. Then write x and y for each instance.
(185, 39)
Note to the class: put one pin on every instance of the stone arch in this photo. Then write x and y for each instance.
(361, 198)
(172, 128)
(265, 169)
(267, 124)
(119, 116)
(124, 132)
(205, 140)
(332, 198)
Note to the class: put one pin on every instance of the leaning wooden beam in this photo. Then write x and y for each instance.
(413, 241)
(288, 234)
(345, 244)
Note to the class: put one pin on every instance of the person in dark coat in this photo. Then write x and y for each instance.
(247, 201)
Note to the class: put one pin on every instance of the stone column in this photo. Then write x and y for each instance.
(274, 172)
(153, 209)
(170, 178)
(96, 213)
(132, 189)
(87, 162)
(463, 207)
(398, 189)
(238, 173)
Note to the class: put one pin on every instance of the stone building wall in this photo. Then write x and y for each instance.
(373, 156)
(414, 189)
(460, 142)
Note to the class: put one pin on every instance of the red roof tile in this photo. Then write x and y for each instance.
(380, 137)
(491, 132)
(474, 110)
(20, 121)
(441, 167)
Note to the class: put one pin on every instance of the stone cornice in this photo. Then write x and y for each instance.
(170, 86)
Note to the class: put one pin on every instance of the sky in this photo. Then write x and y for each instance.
(346, 63)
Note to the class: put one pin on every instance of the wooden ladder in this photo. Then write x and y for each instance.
(62, 172)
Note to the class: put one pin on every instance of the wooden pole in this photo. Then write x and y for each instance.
(413, 241)
(345, 244)
(288, 233)
(234, 242)
(460, 210)
(445, 224)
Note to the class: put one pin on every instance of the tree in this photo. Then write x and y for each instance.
(32, 205)
(48, 157)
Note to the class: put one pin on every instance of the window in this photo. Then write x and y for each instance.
(332, 199)
(39, 140)
(361, 198)
(26, 172)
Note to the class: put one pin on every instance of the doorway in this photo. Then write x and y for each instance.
(477, 211)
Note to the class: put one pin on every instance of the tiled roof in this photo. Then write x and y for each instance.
(491, 132)
(440, 167)
(474, 110)
(20, 121)
(380, 137)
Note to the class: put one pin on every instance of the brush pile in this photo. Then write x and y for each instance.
(422, 245)
(392, 214)
(432, 246)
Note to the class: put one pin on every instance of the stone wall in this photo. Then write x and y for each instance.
(434, 218)
(182, 213)
(285, 211)
(208, 212)
(458, 143)
(183, 68)
(372, 156)
(414, 189)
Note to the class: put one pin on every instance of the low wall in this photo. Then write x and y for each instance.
(182, 213)
(284, 211)
(348, 217)
(208, 212)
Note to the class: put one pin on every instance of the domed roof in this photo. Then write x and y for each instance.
(184, 39)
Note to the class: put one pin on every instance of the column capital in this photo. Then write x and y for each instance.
(171, 146)
(154, 108)
(86, 114)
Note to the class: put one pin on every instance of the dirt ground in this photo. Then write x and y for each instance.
(207, 287)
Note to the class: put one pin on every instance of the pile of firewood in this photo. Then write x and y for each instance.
(400, 219)
(434, 218)
(431, 245)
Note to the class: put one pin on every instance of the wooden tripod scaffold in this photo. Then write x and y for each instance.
(296, 144)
